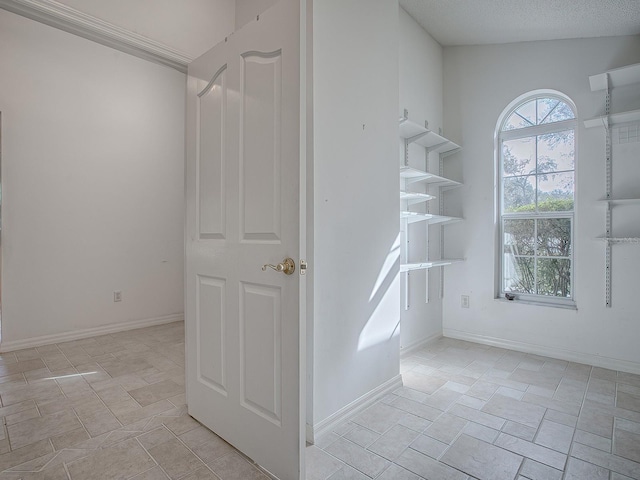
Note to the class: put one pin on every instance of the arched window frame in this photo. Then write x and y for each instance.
(502, 135)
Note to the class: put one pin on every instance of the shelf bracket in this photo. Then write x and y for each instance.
(406, 152)
(436, 147)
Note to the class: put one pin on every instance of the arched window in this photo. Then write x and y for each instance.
(536, 141)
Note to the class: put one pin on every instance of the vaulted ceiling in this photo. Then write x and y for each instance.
(477, 22)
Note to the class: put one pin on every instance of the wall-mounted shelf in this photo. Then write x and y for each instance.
(619, 239)
(433, 143)
(613, 119)
(407, 267)
(617, 77)
(413, 217)
(413, 198)
(606, 81)
(620, 201)
(412, 175)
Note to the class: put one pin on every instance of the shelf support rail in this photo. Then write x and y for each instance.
(406, 152)
(441, 210)
(426, 227)
(609, 186)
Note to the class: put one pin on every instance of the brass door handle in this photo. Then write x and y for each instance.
(287, 266)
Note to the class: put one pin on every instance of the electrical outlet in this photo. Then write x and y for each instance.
(117, 296)
(464, 301)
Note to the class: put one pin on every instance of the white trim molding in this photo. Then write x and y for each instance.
(351, 410)
(553, 352)
(418, 345)
(88, 332)
(71, 20)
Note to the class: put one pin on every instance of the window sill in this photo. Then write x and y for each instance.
(567, 305)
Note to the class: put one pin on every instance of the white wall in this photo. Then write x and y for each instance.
(421, 91)
(92, 177)
(246, 10)
(355, 265)
(480, 82)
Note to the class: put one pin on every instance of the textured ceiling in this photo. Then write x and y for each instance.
(476, 22)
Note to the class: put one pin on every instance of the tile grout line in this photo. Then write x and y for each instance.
(565, 375)
(584, 396)
(537, 430)
(64, 395)
(493, 394)
(448, 408)
(150, 456)
(66, 469)
(56, 452)
(92, 390)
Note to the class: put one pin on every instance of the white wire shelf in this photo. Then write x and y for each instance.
(429, 139)
(407, 267)
(412, 175)
(621, 201)
(432, 219)
(613, 119)
(618, 77)
(413, 198)
(619, 239)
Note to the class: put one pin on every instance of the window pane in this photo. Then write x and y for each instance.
(545, 107)
(538, 112)
(519, 156)
(554, 237)
(519, 194)
(561, 112)
(556, 151)
(528, 112)
(518, 274)
(519, 237)
(537, 180)
(514, 122)
(555, 192)
(554, 277)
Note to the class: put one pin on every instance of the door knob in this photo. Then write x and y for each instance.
(287, 266)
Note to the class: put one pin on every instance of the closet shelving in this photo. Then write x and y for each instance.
(406, 267)
(613, 119)
(410, 177)
(413, 217)
(432, 141)
(619, 77)
(413, 198)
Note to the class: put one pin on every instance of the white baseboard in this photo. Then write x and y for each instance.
(351, 410)
(309, 433)
(88, 332)
(554, 352)
(418, 345)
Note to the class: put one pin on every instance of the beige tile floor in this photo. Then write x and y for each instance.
(113, 406)
(469, 411)
(107, 407)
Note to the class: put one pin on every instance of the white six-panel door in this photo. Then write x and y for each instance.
(243, 211)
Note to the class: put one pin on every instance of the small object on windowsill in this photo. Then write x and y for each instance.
(509, 296)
